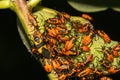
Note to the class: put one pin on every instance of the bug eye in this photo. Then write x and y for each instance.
(36, 38)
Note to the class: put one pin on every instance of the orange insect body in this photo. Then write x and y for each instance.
(105, 78)
(85, 48)
(117, 47)
(63, 67)
(56, 31)
(33, 20)
(113, 70)
(62, 39)
(62, 77)
(63, 61)
(115, 53)
(110, 57)
(60, 18)
(84, 29)
(87, 38)
(85, 72)
(55, 64)
(104, 36)
(69, 53)
(47, 65)
(86, 16)
(69, 44)
(89, 58)
(98, 72)
(105, 64)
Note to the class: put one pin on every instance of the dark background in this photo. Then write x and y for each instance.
(15, 61)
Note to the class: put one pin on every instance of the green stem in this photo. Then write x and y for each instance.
(4, 4)
(33, 3)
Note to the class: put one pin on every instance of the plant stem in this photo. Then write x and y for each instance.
(33, 3)
(4, 4)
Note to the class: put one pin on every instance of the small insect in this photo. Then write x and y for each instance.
(113, 70)
(69, 53)
(62, 77)
(85, 72)
(88, 59)
(67, 16)
(115, 53)
(63, 67)
(63, 61)
(105, 78)
(51, 32)
(84, 28)
(33, 20)
(110, 57)
(98, 72)
(105, 64)
(55, 64)
(86, 16)
(60, 18)
(104, 36)
(85, 48)
(69, 44)
(60, 38)
(47, 65)
(117, 47)
(77, 25)
(87, 38)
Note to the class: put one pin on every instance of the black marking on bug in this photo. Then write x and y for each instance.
(45, 53)
(36, 38)
(40, 45)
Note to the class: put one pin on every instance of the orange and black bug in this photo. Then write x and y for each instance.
(33, 20)
(115, 52)
(62, 77)
(60, 38)
(117, 47)
(69, 44)
(67, 16)
(85, 48)
(110, 57)
(98, 72)
(85, 72)
(86, 16)
(55, 64)
(84, 28)
(47, 65)
(105, 64)
(53, 21)
(104, 36)
(87, 38)
(113, 70)
(88, 59)
(105, 78)
(63, 67)
(63, 61)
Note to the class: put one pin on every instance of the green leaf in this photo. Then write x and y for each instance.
(116, 9)
(93, 5)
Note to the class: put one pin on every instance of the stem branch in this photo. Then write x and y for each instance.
(4, 4)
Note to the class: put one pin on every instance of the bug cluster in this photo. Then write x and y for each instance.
(60, 43)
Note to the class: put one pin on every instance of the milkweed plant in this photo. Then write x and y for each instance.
(68, 47)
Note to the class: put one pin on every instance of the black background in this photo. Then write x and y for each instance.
(15, 61)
